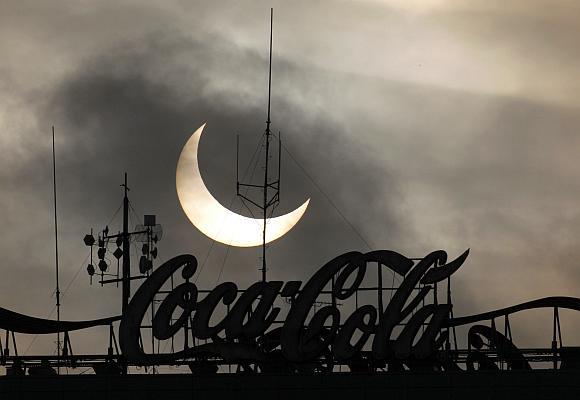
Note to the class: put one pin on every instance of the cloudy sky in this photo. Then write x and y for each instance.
(431, 124)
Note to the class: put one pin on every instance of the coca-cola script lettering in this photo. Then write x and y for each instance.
(248, 331)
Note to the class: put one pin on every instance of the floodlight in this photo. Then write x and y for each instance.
(149, 220)
(101, 253)
(118, 253)
(89, 240)
(143, 264)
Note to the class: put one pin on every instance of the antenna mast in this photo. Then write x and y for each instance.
(126, 271)
(56, 249)
(148, 233)
(268, 202)
(265, 203)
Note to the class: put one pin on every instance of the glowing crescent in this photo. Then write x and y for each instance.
(213, 219)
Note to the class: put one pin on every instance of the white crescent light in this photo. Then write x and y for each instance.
(215, 220)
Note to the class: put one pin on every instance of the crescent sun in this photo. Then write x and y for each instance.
(213, 219)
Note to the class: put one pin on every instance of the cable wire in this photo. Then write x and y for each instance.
(327, 197)
(256, 150)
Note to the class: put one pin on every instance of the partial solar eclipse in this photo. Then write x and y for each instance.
(216, 221)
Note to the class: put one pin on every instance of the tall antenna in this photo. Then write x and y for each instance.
(56, 249)
(270, 71)
(267, 201)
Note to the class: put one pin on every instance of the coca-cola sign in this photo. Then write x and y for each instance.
(407, 327)
(300, 338)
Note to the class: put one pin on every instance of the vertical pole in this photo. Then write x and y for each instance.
(238, 165)
(268, 121)
(450, 311)
(56, 253)
(150, 246)
(126, 250)
(270, 65)
(279, 162)
(110, 350)
(14, 343)
(126, 255)
(265, 208)
(554, 339)
(380, 298)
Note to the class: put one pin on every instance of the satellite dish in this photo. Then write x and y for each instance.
(156, 232)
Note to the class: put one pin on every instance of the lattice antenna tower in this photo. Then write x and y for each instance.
(270, 188)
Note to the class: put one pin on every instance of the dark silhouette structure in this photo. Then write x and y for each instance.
(270, 188)
(343, 332)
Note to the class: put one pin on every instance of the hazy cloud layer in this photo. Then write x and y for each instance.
(430, 125)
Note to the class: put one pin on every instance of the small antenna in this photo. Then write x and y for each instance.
(270, 70)
(56, 250)
(279, 161)
(238, 165)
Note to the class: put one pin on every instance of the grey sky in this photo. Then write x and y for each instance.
(432, 124)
